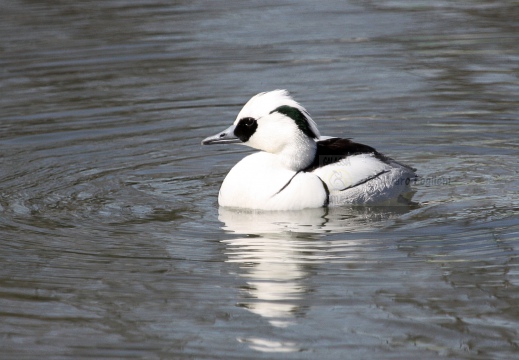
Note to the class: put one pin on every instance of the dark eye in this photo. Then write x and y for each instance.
(245, 128)
(248, 121)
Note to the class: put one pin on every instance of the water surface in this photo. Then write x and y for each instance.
(112, 244)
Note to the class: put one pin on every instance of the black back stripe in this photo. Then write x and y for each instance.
(336, 149)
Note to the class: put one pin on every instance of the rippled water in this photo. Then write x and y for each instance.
(112, 244)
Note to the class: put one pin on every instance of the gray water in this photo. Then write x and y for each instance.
(112, 244)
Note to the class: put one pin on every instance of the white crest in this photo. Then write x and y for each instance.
(263, 104)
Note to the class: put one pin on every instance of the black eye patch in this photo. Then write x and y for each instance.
(245, 128)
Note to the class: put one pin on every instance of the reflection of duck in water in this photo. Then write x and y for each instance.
(278, 248)
(274, 276)
(296, 167)
(279, 252)
(272, 251)
(287, 224)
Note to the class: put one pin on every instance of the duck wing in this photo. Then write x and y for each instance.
(333, 149)
(343, 164)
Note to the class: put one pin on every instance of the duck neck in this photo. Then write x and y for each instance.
(299, 154)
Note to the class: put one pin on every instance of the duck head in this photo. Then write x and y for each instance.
(275, 123)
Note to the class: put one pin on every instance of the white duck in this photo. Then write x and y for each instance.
(296, 167)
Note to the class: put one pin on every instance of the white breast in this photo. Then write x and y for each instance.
(259, 181)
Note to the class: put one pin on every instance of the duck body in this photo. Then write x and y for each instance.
(260, 181)
(297, 168)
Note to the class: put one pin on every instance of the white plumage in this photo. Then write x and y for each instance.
(296, 168)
